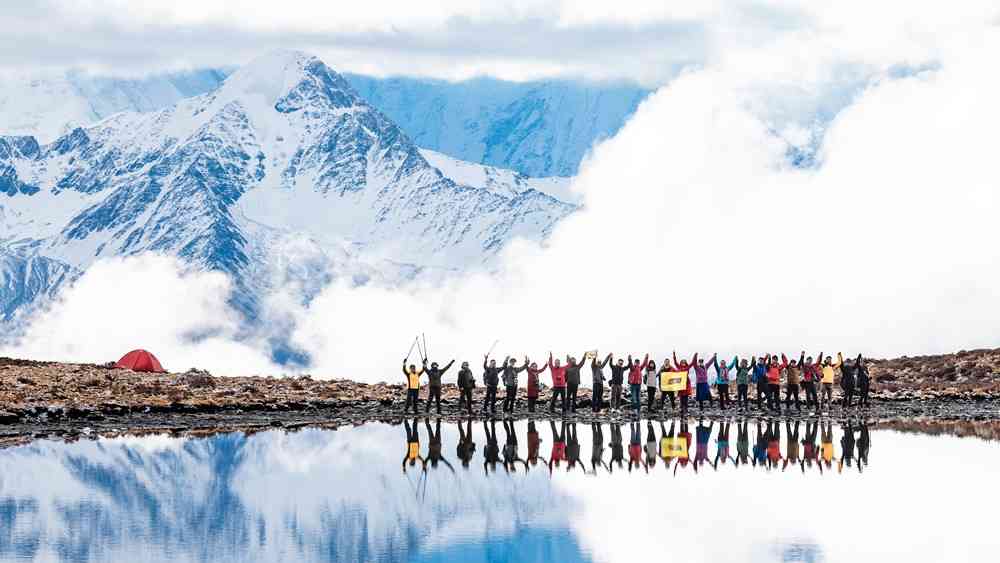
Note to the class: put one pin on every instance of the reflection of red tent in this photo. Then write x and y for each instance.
(140, 360)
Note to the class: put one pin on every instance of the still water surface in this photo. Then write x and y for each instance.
(428, 491)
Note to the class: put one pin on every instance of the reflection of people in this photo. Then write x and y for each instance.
(650, 445)
(510, 457)
(466, 447)
(791, 444)
(597, 447)
(534, 444)
(760, 447)
(572, 447)
(635, 447)
(412, 445)
(773, 444)
(685, 436)
(434, 454)
(742, 442)
(864, 443)
(846, 446)
(617, 448)
(722, 441)
(810, 451)
(827, 444)
(492, 447)
(666, 442)
(702, 434)
(558, 445)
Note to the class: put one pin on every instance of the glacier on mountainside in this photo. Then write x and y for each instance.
(540, 128)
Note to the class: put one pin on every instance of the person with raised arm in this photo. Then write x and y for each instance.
(618, 370)
(412, 375)
(573, 448)
(722, 379)
(573, 380)
(558, 445)
(635, 371)
(685, 394)
(510, 371)
(703, 391)
(774, 370)
(848, 379)
(864, 384)
(759, 379)
(791, 444)
(651, 445)
(533, 372)
(743, 385)
(558, 372)
(793, 374)
(434, 451)
(434, 374)
(635, 447)
(829, 370)
(652, 379)
(534, 445)
(665, 370)
(510, 455)
(811, 375)
(722, 445)
(597, 448)
(466, 383)
(666, 443)
(597, 392)
(617, 447)
(491, 378)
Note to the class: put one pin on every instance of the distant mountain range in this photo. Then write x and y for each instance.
(539, 128)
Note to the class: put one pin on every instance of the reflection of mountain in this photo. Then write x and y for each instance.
(312, 495)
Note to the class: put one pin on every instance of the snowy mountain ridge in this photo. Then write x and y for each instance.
(283, 152)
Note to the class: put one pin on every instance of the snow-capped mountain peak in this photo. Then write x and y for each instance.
(284, 145)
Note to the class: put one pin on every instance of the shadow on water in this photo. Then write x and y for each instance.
(528, 490)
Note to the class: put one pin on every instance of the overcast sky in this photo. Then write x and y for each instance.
(645, 41)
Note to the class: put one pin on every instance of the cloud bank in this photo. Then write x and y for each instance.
(831, 188)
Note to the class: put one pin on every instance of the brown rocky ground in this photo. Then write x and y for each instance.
(43, 394)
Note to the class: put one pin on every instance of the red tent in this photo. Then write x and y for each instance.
(140, 360)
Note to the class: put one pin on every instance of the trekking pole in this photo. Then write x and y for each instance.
(411, 349)
(492, 347)
(424, 336)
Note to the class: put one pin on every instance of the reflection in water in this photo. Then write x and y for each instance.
(320, 495)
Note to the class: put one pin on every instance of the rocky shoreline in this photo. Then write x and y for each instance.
(70, 401)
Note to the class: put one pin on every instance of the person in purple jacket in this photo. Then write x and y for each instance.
(703, 391)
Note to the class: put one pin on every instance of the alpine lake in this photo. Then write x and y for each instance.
(427, 490)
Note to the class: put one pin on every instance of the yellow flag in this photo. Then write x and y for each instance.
(676, 448)
(673, 381)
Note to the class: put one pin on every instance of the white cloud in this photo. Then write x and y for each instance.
(698, 234)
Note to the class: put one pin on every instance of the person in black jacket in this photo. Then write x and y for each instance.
(510, 372)
(848, 370)
(597, 395)
(491, 378)
(466, 383)
(572, 380)
(864, 382)
(434, 374)
(466, 447)
(617, 380)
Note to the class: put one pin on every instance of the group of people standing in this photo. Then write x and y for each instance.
(765, 375)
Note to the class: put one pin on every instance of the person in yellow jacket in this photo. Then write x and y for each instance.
(829, 371)
(412, 446)
(412, 385)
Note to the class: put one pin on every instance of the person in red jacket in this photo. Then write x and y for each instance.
(685, 394)
(533, 372)
(774, 369)
(635, 372)
(558, 383)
